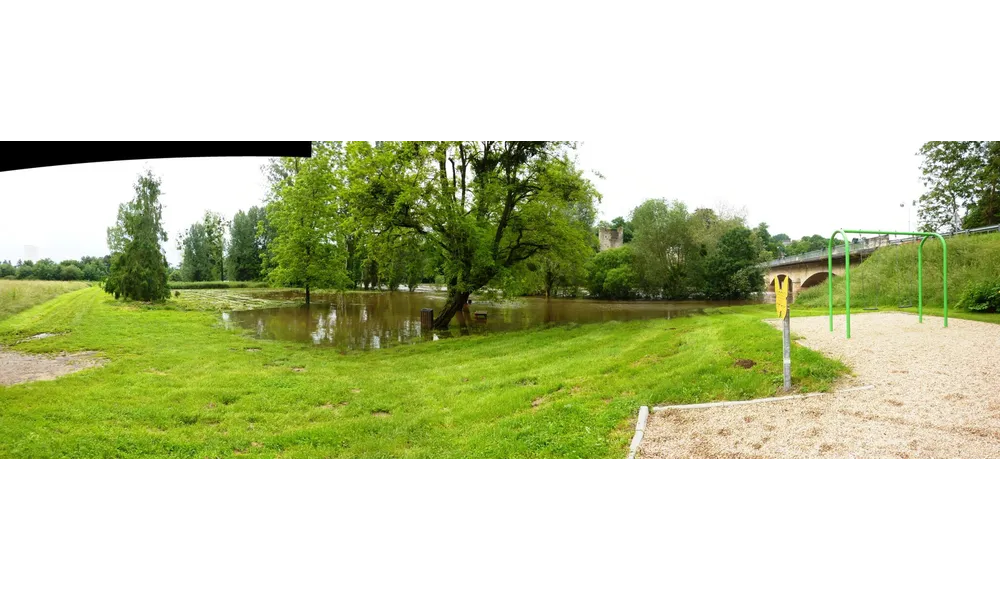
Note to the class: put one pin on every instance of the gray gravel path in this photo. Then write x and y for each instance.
(19, 367)
(936, 395)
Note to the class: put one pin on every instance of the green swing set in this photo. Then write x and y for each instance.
(920, 272)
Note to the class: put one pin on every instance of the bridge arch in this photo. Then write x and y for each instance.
(814, 279)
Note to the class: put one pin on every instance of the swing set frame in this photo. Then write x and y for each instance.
(920, 270)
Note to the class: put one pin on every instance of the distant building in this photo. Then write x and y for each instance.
(611, 238)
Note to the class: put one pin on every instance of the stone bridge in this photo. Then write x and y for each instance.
(810, 269)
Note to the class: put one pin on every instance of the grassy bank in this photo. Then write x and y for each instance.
(177, 384)
(16, 296)
(890, 275)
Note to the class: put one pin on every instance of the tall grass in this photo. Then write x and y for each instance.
(16, 295)
(215, 285)
(889, 276)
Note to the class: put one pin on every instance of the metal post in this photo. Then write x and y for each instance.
(786, 340)
(944, 278)
(920, 281)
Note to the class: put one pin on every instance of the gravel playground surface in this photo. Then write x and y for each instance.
(936, 395)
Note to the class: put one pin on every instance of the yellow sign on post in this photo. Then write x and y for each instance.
(782, 289)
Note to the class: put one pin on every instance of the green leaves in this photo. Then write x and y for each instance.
(963, 185)
(243, 262)
(982, 297)
(308, 248)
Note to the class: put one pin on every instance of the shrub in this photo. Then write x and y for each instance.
(981, 297)
(611, 274)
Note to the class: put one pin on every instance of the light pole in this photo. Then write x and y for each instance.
(908, 211)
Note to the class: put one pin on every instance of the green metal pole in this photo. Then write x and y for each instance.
(920, 281)
(944, 273)
(944, 277)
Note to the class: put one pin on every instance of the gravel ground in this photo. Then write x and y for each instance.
(17, 367)
(936, 395)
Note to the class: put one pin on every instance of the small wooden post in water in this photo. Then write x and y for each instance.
(426, 320)
(782, 298)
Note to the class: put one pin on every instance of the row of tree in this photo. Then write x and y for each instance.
(215, 249)
(88, 268)
(499, 217)
(672, 252)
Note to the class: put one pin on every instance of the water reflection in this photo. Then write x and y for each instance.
(376, 320)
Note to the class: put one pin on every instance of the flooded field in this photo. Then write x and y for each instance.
(379, 319)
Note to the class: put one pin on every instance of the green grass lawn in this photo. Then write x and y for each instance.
(178, 384)
(16, 296)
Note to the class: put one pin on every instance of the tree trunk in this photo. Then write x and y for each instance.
(456, 301)
(307, 294)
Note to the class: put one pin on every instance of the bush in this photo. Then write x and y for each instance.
(611, 274)
(70, 273)
(981, 297)
(215, 285)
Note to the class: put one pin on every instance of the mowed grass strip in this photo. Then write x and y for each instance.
(178, 384)
(16, 296)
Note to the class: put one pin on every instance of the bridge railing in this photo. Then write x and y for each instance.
(867, 246)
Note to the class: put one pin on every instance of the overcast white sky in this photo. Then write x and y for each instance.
(799, 187)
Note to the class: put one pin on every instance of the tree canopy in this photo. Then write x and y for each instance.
(485, 207)
(308, 248)
(246, 245)
(963, 185)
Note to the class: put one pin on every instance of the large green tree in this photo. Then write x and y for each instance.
(562, 266)
(733, 270)
(663, 247)
(195, 261)
(963, 185)
(308, 249)
(480, 204)
(138, 267)
(215, 234)
(246, 245)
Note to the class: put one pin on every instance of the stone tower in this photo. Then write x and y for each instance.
(611, 238)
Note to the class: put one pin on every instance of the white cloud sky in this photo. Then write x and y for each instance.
(65, 211)
(799, 187)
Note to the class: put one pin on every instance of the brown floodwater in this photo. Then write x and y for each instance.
(379, 319)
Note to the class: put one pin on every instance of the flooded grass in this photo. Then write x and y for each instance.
(177, 385)
(375, 320)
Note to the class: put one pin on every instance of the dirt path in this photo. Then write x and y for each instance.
(18, 367)
(936, 395)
